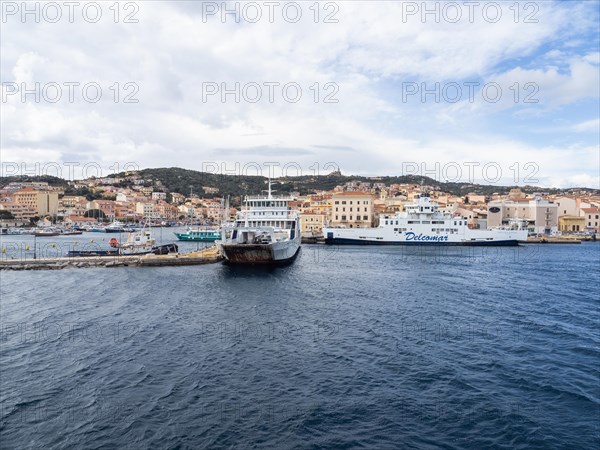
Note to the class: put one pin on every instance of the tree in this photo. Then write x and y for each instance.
(6, 215)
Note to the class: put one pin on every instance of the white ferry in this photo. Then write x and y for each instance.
(266, 231)
(423, 223)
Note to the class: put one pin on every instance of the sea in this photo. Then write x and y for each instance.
(349, 347)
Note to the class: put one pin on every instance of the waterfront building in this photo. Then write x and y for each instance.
(20, 212)
(42, 202)
(592, 219)
(352, 210)
(571, 224)
(567, 206)
(541, 215)
(312, 222)
(78, 221)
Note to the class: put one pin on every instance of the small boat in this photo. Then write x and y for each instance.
(199, 235)
(46, 233)
(115, 227)
(71, 232)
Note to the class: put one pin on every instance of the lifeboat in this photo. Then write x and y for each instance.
(114, 243)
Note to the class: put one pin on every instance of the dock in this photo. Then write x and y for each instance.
(208, 255)
(558, 240)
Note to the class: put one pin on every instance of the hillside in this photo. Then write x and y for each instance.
(175, 179)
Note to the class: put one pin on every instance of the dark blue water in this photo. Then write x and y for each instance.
(346, 348)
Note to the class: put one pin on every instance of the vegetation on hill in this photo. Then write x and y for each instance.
(51, 180)
(184, 181)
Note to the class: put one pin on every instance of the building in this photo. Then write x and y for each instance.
(567, 206)
(78, 221)
(159, 196)
(571, 224)
(20, 212)
(312, 222)
(352, 209)
(42, 202)
(592, 219)
(541, 215)
(108, 207)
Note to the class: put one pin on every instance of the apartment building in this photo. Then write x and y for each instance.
(592, 219)
(352, 209)
(541, 215)
(312, 222)
(42, 202)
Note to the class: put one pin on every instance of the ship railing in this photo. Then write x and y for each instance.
(274, 197)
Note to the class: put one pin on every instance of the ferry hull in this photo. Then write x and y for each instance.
(349, 241)
(252, 254)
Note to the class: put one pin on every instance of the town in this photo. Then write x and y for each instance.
(353, 204)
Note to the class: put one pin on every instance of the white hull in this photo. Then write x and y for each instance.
(423, 223)
(418, 236)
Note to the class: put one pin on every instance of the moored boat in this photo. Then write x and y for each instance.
(423, 224)
(266, 231)
(199, 235)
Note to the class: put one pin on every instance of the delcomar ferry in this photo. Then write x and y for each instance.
(423, 223)
(266, 231)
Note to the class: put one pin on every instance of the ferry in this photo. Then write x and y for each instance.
(199, 235)
(266, 231)
(423, 223)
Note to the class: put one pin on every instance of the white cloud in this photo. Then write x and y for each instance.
(171, 52)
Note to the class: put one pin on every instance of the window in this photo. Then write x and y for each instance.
(365, 217)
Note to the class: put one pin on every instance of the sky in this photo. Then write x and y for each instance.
(489, 92)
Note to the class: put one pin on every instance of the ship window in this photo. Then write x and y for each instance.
(386, 222)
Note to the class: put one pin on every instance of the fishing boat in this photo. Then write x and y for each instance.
(266, 231)
(422, 223)
(138, 243)
(199, 235)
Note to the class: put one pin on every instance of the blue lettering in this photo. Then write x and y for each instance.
(411, 236)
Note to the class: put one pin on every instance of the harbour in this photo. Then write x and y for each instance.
(457, 344)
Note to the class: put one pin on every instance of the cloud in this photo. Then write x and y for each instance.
(359, 64)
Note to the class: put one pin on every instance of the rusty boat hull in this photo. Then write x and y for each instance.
(260, 254)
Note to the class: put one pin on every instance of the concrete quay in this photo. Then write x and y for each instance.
(206, 256)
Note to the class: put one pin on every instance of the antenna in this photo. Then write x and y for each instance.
(270, 196)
